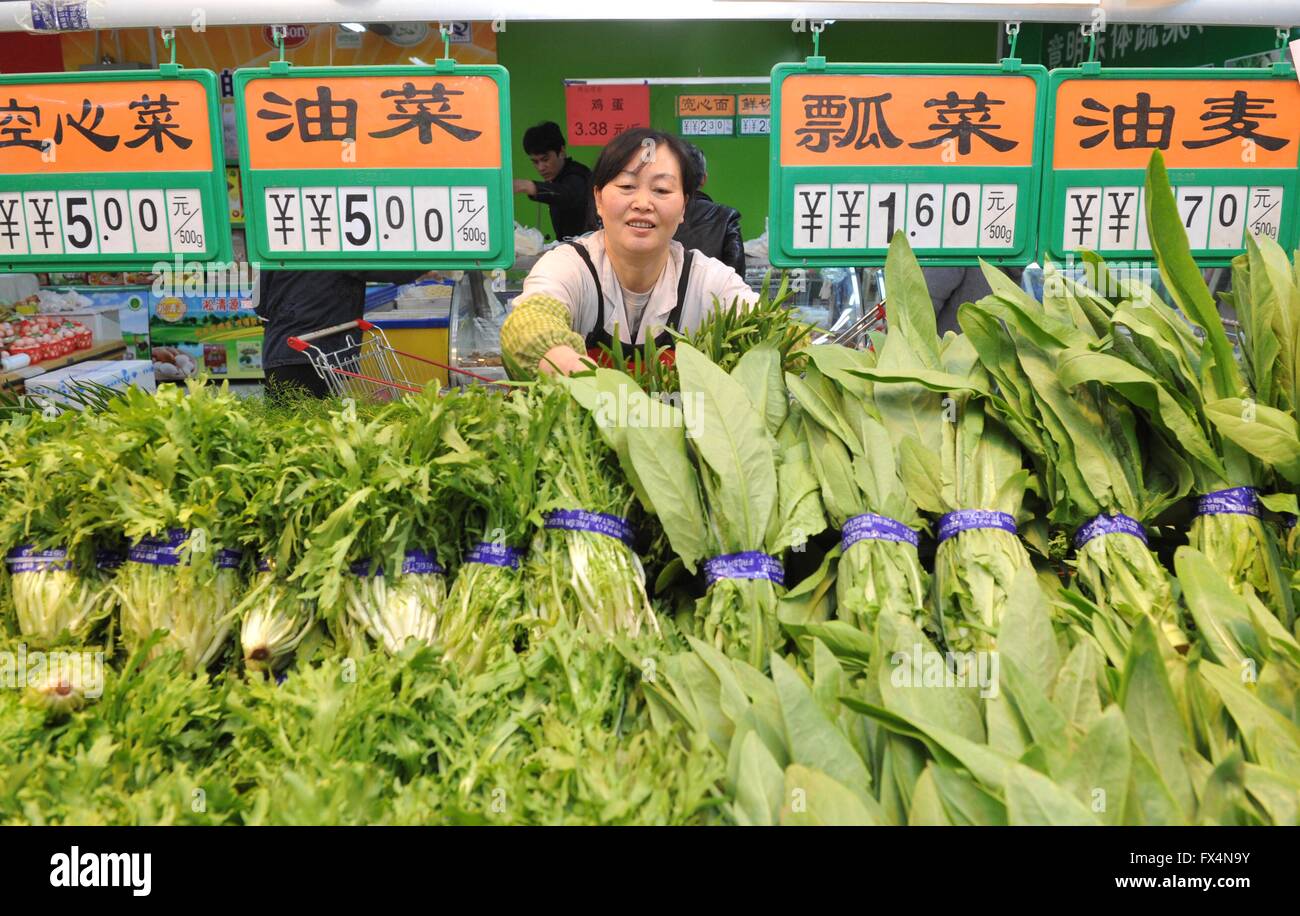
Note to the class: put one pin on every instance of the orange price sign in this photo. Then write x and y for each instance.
(1196, 123)
(754, 104)
(158, 125)
(907, 120)
(400, 121)
(710, 106)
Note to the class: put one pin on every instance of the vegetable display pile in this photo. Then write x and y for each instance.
(1040, 572)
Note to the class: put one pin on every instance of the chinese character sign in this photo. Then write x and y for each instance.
(1231, 142)
(872, 119)
(111, 171)
(595, 114)
(706, 106)
(1194, 123)
(948, 155)
(66, 127)
(433, 120)
(393, 167)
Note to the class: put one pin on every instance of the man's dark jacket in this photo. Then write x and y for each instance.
(713, 229)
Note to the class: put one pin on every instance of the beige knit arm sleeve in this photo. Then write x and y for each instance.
(538, 323)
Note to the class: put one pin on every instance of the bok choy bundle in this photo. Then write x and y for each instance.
(172, 479)
(1172, 371)
(1106, 473)
(486, 600)
(956, 458)
(879, 568)
(582, 562)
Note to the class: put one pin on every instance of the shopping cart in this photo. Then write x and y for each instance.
(367, 366)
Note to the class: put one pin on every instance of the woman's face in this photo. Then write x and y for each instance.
(644, 204)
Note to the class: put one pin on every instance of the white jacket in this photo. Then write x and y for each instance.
(560, 273)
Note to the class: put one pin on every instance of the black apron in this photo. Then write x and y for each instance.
(599, 337)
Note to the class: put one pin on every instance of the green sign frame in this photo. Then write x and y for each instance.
(211, 185)
(498, 182)
(1057, 183)
(1027, 179)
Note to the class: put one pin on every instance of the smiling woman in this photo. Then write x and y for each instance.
(630, 278)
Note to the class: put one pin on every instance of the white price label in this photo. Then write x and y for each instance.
(432, 219)
(849, 215)
(1119, 218)
(1228, 218)
(396, 219)
(708, 127)
(1194, 206)
(320, 218)
(469, 214)
(1082, 227)
(357, 219)
(185, 218)
(812, 216)
(78, 213)
(998, 216)
(113, 209)
(1264, 212)
(13, 227)
(925, 215)
(149, 221)
(961, 219)
(283, 219)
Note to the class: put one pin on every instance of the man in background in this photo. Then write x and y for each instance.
(710, 227)
(565, 187)
(297, 302)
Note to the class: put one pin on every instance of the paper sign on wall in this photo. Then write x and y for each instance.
(595, 114)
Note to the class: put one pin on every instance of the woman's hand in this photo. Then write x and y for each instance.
(564, 360)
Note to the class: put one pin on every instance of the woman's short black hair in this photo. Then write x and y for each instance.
(614, 157)
(543, 138)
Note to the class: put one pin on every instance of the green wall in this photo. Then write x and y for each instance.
(540, 56)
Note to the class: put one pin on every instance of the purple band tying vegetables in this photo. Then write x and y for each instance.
(167, 551)
(263, 564)
(416, 562)
(421, 563)
(27, 559)
(595, 522)
(109, 560)
(955, 523)
(748, 565)
(1233, 501)
(872, 527)
(1109, 524)
(229, 559)
(491, 554)
(1288, 520)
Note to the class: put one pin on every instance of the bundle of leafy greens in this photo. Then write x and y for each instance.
(169, 479)
(60, 578)
(955, 458)
(274, 617)
(879, 568)
(1172, 371)
(582, 563)
(1266, 296)
(720, 498)
(379, 517)
(486, 601)
(1105, 471)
